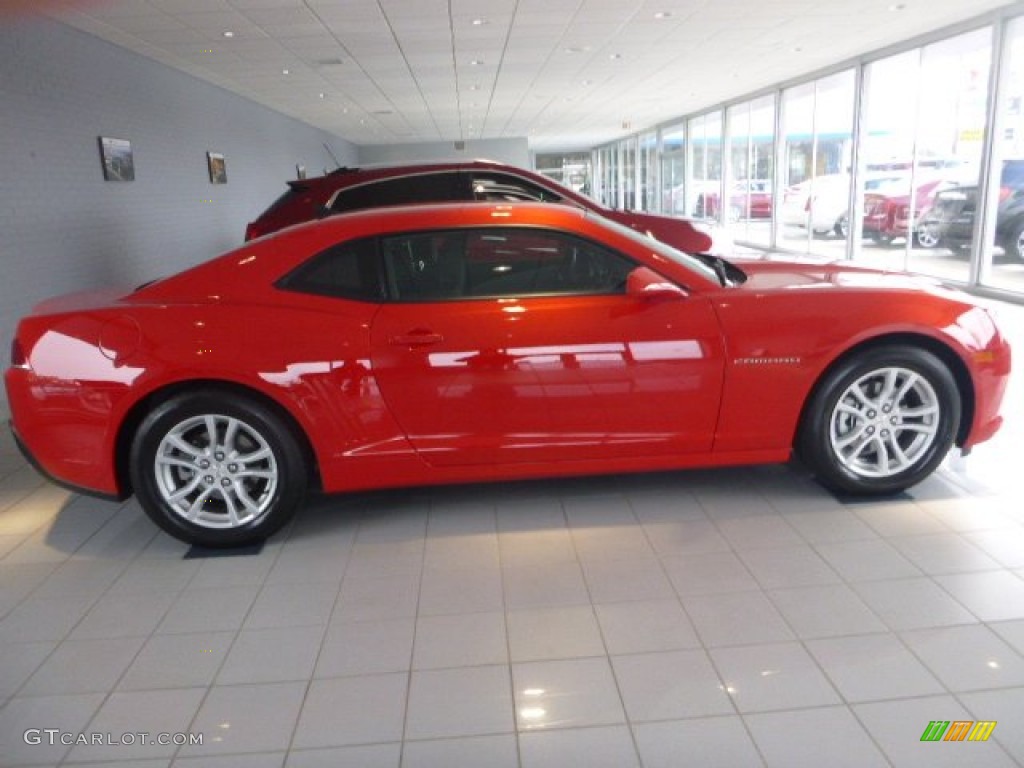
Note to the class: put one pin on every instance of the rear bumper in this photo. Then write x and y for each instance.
(38, 467)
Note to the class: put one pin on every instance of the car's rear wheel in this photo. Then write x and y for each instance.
(217, 470)
(880, 421)
(842, 226)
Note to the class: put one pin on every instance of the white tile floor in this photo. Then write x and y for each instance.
(741, 617)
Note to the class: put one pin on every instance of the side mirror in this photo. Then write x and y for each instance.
(645, 283)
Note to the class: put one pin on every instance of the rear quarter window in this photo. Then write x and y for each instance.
(345, 271)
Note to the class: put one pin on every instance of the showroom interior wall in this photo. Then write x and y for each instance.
(63, 228)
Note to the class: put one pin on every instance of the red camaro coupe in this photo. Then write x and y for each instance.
(481, 341)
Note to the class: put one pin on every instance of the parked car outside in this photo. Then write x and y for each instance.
(888, 214)
(750, 199)
(822, 203)
(351, 189)
(950, 220)
(468, 342)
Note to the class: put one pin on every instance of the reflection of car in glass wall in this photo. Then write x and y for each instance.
(351, 189)
(887, 209)
(950, 220)
(434, 344)
(750, 199)
(821, 203)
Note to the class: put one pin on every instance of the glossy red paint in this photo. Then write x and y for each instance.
(454, 181)
(388, 393)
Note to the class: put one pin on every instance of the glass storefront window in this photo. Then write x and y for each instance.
(817, 124)
(925, 123)
(704, 165)
(673, 168)
(648, 170)
(1003, 256)
(751, 129)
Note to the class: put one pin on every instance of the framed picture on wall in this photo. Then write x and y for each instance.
(218, 171)
(116, 155)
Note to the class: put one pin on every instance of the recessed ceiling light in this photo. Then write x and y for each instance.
(474, 87)
(285, 72)
(323, 95)
(480, 22)
(228, 33)
(615, 56)
(588, 82)
(663, 15)
(897, 7)
(476, 63)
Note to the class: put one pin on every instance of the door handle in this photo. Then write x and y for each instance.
(417, 338)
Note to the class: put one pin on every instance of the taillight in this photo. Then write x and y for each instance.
(18, 357)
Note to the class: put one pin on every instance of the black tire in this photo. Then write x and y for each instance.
(882, 241)
(842, 226)
(261, 469)
(1014, 242)
(850, 446)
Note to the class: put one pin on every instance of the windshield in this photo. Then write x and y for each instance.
(690, 262)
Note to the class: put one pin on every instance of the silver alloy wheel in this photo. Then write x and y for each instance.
(927, 236)
(216, 471)
(885, 422)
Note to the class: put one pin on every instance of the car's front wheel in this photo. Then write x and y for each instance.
(880, 421)
(1014, 245)
(217, 470)
(927, 236)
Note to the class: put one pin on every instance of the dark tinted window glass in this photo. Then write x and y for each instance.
(421, 188)
(506, 187)
(499, 262)
(348, 270)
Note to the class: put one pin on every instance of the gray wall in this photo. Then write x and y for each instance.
(513, 151)
(63, 228)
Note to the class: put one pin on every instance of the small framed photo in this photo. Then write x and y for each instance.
(300, 171)
(218, 171)
(116, 156)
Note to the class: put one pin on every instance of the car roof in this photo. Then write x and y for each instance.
(383, 170)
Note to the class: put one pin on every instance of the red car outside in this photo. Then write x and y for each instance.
(350, 189)
(750, 200)
(888, 210)
(470, 342)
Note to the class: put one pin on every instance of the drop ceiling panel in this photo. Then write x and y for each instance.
(567, 72)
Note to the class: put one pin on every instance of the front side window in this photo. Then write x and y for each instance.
(512, 262)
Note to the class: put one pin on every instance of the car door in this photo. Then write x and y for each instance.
(515, 345)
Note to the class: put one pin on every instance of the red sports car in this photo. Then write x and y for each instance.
(353, 189)
(468, 342)
(887, 210)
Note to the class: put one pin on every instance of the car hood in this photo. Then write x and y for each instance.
(763, 275)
